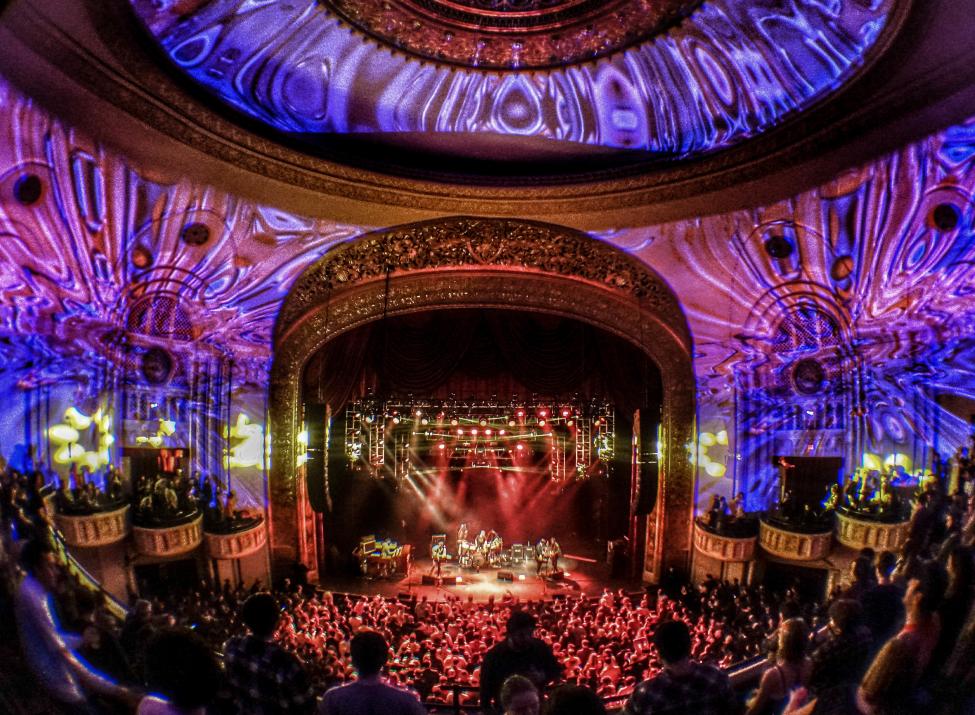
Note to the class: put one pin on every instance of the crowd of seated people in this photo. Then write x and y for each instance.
(172, 498)
(603, 643)
(729, 519)
(82, 492)
(900, 637)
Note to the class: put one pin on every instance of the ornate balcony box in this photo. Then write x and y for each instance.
(166, 541)
(723, 547)
(858, 532)
(91, 530)
(783, 543)
(236, 544)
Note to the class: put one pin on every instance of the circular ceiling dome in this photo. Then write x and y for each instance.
(510, 34)
(519, 90)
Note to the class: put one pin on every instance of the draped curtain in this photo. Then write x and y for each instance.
(481, 354)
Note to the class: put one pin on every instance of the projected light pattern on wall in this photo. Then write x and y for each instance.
(729, 71)
(835, 323)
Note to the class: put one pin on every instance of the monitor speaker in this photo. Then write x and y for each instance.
(506, 576)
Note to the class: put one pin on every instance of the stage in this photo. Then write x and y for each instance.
(588, 577)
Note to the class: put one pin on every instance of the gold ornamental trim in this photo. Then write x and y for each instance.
(569, 277)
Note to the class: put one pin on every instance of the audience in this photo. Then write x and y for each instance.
(892, 644)
(264, 677)
(792, 669)
(182, 674)
(519, 653)
(519, 696)
(574, 700)
(683, 686)
(369, 694)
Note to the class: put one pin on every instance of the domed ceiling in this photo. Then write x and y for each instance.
(509, 82)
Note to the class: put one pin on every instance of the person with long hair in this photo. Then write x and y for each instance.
(792, 669)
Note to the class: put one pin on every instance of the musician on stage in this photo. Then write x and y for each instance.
(461, 534)
(554, 551)
(541, 556)
(439, 555)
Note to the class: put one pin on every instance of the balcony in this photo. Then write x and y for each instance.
(167, 540)
(722, 546)
(860, 531)
(236, 543)
(793, 543)
(100, 528)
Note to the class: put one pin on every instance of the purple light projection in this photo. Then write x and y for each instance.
(731, 70)
(836, 323)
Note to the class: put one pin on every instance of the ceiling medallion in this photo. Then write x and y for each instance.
(511, 34)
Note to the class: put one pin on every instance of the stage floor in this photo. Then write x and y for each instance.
(581, 577)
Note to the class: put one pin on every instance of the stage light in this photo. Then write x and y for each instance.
(369, 419)
(487, 432)
(396, 420)
(419, 413)
(424, 421)
(520, 413)
(521, 577)
(441, 445)
(566, 413)
(474, 432)
(460, 433)
(501, 433)
(569, 423)
(541, 423)
(459, 579)
(483, 422)
(520, 447)
(511, 423)
(453, 421)
(543, 412)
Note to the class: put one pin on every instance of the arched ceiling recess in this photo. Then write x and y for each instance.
(469, 262)
(501, 83)
(91, 64)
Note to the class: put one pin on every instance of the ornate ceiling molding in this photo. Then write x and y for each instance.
(730, 71)
(511, 34)
(475, 243)
(924, 83)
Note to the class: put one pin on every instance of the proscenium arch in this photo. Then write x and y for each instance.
(469, 262)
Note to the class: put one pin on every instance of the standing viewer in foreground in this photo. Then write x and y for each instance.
(369, 694)
(684, 686)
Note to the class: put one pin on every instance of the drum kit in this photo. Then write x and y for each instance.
(483, 552)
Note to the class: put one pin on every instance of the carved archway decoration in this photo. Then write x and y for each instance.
(468, 262)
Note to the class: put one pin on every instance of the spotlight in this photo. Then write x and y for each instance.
(483, 422)
(520, 413)
(459, 579)
(419, 413)
(568, 423)
(424, 421)
(396, 420)
(566, 412)
(521, 577)
(474, 432)
(543, 412)
(541, 423)
(501, 432)
(369, 419)
(511, 423)
(487, 432)
(520, 447)
(441, 445)
(460, 433)
(453, 421)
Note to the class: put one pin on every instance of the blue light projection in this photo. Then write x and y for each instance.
(838, 322)
(731, 70)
